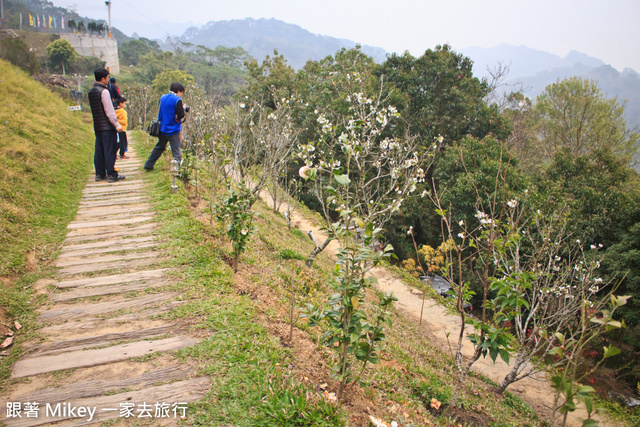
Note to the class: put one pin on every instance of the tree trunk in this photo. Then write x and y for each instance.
(316, 251)
(513, 373)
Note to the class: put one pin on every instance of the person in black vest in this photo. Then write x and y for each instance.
(106, 128)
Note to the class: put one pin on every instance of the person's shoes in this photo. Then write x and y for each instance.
(124, 157)
(148, 169)
(100, 178)
(116, 178)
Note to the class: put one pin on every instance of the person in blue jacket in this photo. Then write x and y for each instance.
(171, 115)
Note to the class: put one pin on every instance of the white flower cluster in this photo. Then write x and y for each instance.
(362, 100)
(326, 124)
(484, 218)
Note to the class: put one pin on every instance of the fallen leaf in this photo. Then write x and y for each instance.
(323, 386)
(17, 325)
(6, 343)
(9, 333)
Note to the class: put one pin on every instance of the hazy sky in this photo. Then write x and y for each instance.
(608, 30)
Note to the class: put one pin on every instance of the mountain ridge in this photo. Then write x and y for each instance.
(261, 36)
(534, 70)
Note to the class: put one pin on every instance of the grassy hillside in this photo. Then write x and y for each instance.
(45, 158)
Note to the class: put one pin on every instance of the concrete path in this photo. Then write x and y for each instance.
(99, 332)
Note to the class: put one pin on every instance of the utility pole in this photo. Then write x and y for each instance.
(108, 3)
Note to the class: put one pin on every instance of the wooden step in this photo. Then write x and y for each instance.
(70, 249)
(93, 325)
(110, 216)
(92, 388)
(113, 279)
(112, 247)
(179, 393)
(86, 358)
(116, 265)
(106, 259)
(113, 202)
(78, 236)
(49, 348)
(122, 186)
(100, 211)
(66, 312)
(92, 291)
(109, 223)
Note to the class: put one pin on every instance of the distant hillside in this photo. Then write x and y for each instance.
(260, 37)
(536, 69)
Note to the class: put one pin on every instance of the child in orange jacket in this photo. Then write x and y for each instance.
(121, 113)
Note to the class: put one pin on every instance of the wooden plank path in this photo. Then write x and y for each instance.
(99, 326)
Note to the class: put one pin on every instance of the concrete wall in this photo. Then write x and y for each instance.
(101, 47)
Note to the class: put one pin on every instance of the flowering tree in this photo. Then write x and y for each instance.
(262, 142)
(375, 169)
(548, 298)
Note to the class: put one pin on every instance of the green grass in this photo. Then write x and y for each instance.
(629, 416)
(45, 160)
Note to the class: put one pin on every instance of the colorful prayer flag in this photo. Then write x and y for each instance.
(30, 20)
(50, 21)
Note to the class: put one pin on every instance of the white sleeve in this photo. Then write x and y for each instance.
(105, 96)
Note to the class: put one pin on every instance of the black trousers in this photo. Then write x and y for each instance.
(122, 143)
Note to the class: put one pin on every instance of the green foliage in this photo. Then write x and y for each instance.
(349, 330)
(290, 254)
(273, 76)
(443, 97)
(567, 381)
(163, 80)
(467, 173)
(17, 52)
(573, 114)
(601, 191)
(152, 64)
(622, 262)
(131, 51)
(235, 211)
(61, 52)
(295, 408)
